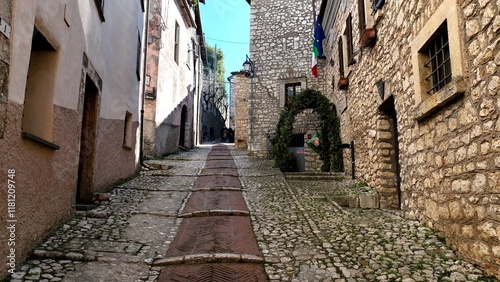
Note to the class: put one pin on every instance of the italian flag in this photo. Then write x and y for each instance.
(319, 35)
(315, 54)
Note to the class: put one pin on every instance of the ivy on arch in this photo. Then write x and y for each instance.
(330, 131)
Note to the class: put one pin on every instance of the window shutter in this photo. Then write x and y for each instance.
(361, 13)
(350, 57)
(341, 57)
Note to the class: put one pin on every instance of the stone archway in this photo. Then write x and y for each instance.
(330, 127)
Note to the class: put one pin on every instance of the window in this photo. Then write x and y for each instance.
(346, 54)
(142, 5)
(127, 131)
(439, 77)
(100, 8)
(362, 17)
(296, 140)
(438, 53)
(194, 50)
(38, 109)
(348, 35)
(341, 57)
(377, 5)
(366, 24)
(291, 90)
(138, 58)
(176, 43)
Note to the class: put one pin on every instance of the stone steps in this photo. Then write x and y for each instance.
(337, 176)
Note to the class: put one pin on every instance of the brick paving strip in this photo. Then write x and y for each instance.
(215, 241)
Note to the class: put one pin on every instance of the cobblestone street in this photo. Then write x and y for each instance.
(302, 233)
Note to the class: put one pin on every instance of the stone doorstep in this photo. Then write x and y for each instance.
(208, 258)
(215, 213)
(218, 189)
(314, 176)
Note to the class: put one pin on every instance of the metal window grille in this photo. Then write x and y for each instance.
(438, 52)
(296, 140)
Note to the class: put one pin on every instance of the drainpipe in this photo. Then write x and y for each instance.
(145, 40)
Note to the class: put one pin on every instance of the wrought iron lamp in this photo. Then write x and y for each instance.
(249, 68)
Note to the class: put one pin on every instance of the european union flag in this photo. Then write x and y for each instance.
(319, 35)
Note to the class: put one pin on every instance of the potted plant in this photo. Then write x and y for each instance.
(368, 37)
(343, 83)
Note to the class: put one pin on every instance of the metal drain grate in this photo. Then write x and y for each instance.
(213, 273)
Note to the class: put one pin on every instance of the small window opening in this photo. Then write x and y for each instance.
(291, 90)
(350, 47)
(176, 43)
(438, 63)
(100, 9)
(38, 112)
(127, 132)
(296, 140)
(341, 57)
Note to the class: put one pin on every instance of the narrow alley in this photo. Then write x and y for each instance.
(216, 214)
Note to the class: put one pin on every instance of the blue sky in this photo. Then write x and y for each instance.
(226, 23)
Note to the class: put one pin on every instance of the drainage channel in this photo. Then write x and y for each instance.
(215, 240)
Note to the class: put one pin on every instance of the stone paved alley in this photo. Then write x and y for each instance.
(301, 233)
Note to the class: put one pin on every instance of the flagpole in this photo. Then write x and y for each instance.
(314, 67)
(314, 13)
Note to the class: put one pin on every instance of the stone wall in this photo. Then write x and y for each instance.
(172, 79)
(281, 48)
(240, 87)
(308, 123)
(446, 164)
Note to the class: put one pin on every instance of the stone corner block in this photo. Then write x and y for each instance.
(368, 201)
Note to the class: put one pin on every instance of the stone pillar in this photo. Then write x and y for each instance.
(387, 171)
(240, 85)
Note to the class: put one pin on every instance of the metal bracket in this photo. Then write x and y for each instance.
(4, 28)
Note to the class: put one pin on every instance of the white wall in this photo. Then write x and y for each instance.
(112, 50)
(67, 40)
(174, 79)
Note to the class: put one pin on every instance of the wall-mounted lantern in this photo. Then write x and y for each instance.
(249, 68)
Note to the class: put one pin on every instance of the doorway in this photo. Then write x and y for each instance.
(393, 183)
(86, 164)
(184, 118)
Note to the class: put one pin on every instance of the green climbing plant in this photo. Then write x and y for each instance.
(330, 127)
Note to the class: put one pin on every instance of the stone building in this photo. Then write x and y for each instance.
(232, 102)
(176, 52)
(69, 110)
(415, 85)
(239, 101)
(281, 35)
(422, 107)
